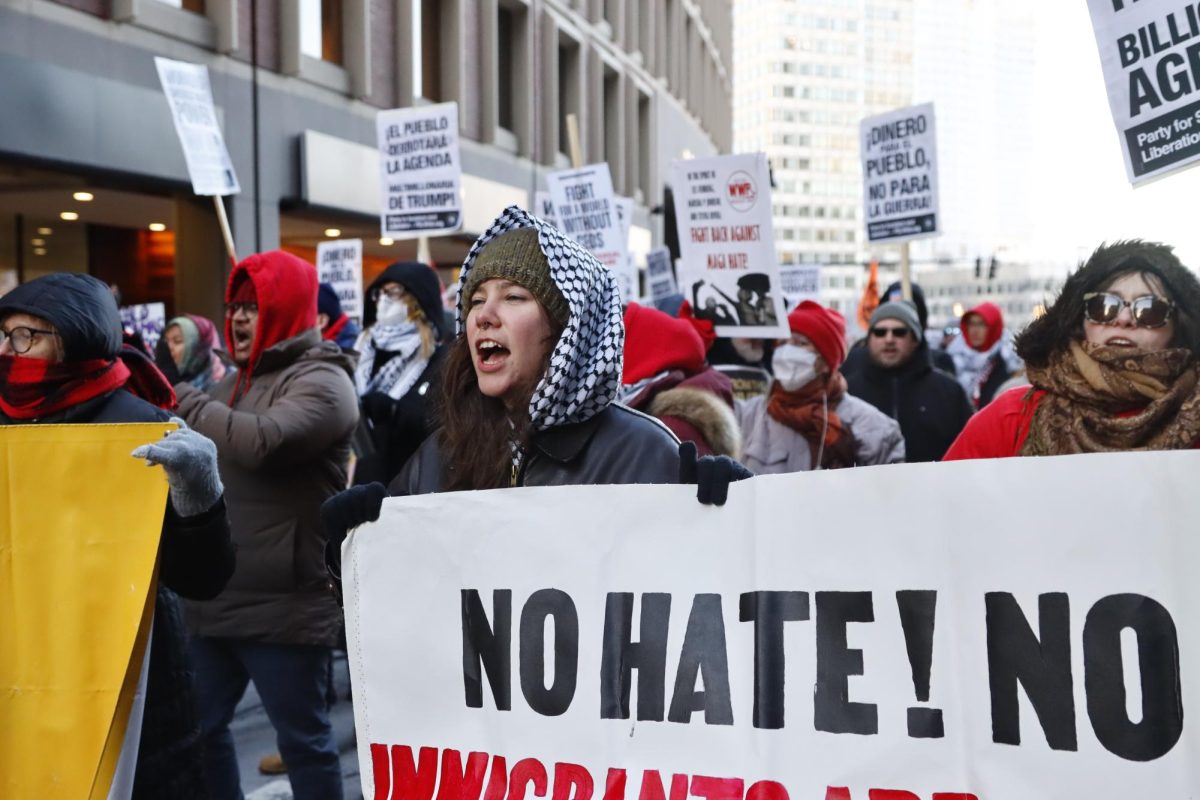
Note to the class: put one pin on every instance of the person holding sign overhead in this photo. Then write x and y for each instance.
(529, 387)
(1113, 364)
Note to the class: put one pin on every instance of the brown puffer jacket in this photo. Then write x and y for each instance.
(283, 450)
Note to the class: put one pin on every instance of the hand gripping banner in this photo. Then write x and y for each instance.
(1018, 628)
(78, 542)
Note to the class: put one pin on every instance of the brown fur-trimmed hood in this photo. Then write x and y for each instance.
(704, 411)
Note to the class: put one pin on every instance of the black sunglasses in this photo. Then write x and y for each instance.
(899, 333)
(1148, 311)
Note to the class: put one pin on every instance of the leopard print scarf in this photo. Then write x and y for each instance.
(1109, 399)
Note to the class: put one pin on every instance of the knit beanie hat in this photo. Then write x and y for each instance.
(824, 327)
(328, 303)
(901, 311)
(516, 256)
(655, 342)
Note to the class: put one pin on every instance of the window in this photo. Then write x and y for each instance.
(568, 90)
(426, 52)
(321, 30)
(612, 127)
(506, 26)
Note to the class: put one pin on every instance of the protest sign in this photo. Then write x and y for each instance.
(1151, 60)
(339, 263)
(748, 381)
(800, 283)
(586, 210)
(627, 273)
(79, 538)
(543, 207)
(899, 168)
(420, 170)
(189, 95)
(835, 634)
(146, 319)
(659, 275)
(727, 244)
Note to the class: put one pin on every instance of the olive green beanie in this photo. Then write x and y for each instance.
(517, 257)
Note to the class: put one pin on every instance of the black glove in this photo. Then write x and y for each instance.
(711, 474)
(378, 407)
(166, 364)
(339, 515)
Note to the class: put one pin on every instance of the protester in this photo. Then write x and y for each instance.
(666, 376)
(399, 367)
(938, 357)
(529, 386)
(898, 379)
(335, 326)
(187, 352)
(983, 355)
(809, 421)
(282, 428)
(62, 362)
(1112, 364)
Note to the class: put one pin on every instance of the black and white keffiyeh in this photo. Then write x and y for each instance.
(397, 376)
(585, 368)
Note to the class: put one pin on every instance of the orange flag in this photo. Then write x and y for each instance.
(870, 297)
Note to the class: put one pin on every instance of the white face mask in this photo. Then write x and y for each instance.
(388, 310)
(794, 366)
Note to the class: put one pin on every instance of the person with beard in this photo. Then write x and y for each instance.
(62, 362)
(938, 358)
(1112, 364)
(282, 427)
(187, 352)
(808, 420)
(529, 387)
(983, 354)
(900, 381)
(399, 366)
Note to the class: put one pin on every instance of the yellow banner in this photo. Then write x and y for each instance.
(79, 539)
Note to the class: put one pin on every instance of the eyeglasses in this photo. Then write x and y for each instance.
(394, 292)
(249, 309)
(20, 339)
(1147, 311)
(899, 333)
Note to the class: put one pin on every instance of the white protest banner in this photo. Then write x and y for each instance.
(659, 275)
(1151, 63)
(543, 207)
(727, 244)
(146, 319)
(421, 171)
(587, 212)
(899, 168)
(801, 282)
(189, 95)
(864, 634)
(339, 263)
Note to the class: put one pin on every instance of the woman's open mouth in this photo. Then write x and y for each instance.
(1119, 341)
(491, 354)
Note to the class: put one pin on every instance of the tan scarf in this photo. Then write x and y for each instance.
(1108, 399)
(804, 412)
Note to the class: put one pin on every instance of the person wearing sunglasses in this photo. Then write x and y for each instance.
(809, 420)
(899, 379)
(1112, 364)
(63, 362)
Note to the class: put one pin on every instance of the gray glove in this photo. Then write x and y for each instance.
(190, 461)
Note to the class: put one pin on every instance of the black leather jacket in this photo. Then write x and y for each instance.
(618, 445)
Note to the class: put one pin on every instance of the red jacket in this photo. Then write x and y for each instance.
(1000, 428)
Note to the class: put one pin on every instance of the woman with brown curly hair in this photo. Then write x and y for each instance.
(1112, 364)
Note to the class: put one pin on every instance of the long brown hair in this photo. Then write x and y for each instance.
(477, 432)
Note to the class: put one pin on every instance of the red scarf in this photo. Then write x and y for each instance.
(333, 330)
(33, 388)
(804, 411)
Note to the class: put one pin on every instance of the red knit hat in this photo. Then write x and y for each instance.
(824, 327)
(656, 342)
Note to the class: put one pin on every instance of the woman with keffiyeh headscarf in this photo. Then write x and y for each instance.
(530, 383)
(1114, 364)
(191, 342)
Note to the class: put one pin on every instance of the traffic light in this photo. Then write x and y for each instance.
(992, 265)
(978, 267)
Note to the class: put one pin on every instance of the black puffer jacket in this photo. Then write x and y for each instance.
(930, 406)
(618, 445)
(196, 556)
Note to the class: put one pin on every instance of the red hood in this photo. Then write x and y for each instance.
(655, 342)
(990, 312)
(286, 286)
